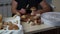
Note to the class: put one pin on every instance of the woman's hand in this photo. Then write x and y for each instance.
(22, 11)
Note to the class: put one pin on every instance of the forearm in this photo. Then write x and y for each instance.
(44, 10)
(45, 7)
(13, 7)
(14, 11)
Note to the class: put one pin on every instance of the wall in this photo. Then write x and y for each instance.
(5, 8)
(56, 4)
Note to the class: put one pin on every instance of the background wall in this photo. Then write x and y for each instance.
(56, 4)
(5, 8)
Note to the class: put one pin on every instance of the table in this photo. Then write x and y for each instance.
(37, 28)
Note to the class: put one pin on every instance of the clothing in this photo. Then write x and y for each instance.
(24, 3)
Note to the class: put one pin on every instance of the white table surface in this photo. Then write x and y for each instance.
(37, 28)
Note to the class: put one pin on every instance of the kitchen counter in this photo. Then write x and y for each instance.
(37, 28)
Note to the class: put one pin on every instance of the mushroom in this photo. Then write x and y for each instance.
(13, 27)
